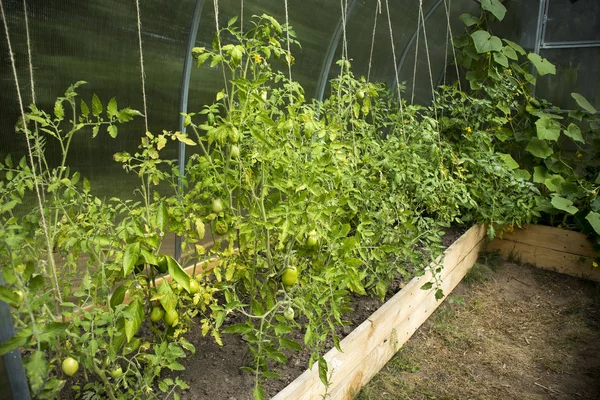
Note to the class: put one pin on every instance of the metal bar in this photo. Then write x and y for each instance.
(183, 100)
(333, 44)
(411, 41)
(570, 45)
(13, 381)
(539, 30)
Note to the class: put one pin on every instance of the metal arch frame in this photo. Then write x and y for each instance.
(333, 44)
(183, 100)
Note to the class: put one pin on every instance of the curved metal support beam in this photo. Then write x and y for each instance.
(183, 99)
(411, 41)
(333, 44)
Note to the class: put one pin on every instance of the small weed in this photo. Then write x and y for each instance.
(492, 259)
(515, 258)
(479, 273)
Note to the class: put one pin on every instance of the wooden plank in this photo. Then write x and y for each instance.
(546, 258)
(553, 238)
(406, 307)
(400, 333)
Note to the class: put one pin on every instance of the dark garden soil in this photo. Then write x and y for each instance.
(506, 332)
(214, 371)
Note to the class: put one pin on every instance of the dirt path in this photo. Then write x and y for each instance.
(506, 332)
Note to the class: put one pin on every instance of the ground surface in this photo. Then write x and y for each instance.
(514, 333)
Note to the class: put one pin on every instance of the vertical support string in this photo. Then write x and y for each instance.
(139, 26)
(216, 5)
(287, 32)
(389, 18)
(32, 162)
(448, 6)
(412, 96)
(242, 18)
(377, 11)
(38, 146)
(428, 58)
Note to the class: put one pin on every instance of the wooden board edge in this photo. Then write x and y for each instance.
(558, 239)
(549, 259)
(473, 239)
(400, 333)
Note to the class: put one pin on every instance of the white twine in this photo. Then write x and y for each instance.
(139, 26)
(30, 154)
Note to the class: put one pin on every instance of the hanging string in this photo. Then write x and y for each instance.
(139, 26)
(428, 58)
(38, 146)
(447, 7)
(412, 96)
(377, 11)
(287, 33)
(387, 7)
(242, 18)
(216, 5)
(344, 6)
(344, 55)
(30, 154)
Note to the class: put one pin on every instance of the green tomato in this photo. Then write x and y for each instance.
(217, 206)
(194, 286)
(70, 366)
(221, 227)
(116, 372)
(20, 295)
(290, 276)
(360, 94)
(144, 347)
(312, 239)
(157, 314)
(171, 317)
(289, 314)
(235, 151)
(163, 264)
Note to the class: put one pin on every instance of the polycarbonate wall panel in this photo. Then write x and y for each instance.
(404, 17)
(519, 23)
(313, 22)
(97, 41)
(578, 70)
(570, 20)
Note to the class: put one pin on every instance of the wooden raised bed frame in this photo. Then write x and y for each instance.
(374, 342)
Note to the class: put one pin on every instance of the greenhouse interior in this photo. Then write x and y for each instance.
(181, 181)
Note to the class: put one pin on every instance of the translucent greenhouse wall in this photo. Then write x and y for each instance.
(96, 41)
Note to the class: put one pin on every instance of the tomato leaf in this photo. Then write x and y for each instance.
(177, 273)
(323, 368)
(118, 296)
(134, 319)
(96, 106)
(168, 299)
(259, 392)
(132, 253)
(37, 371)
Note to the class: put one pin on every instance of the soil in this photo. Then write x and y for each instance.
(214, 371)
(507, 332)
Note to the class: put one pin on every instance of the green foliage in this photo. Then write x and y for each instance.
(350, 193)
(558, 150)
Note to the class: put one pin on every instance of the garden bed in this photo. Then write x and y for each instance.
(214, 372)
(507, 331)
